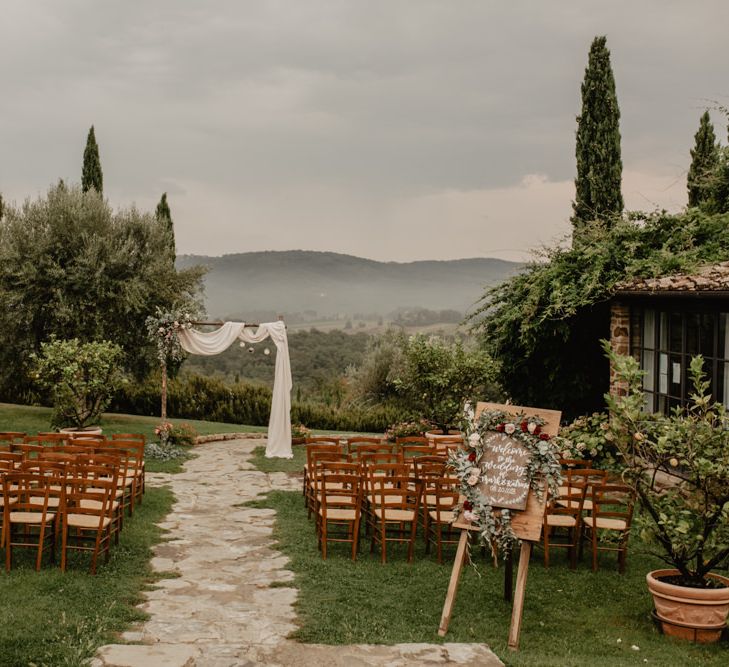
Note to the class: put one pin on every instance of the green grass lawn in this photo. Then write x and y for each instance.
(570, 617)
(58, 619)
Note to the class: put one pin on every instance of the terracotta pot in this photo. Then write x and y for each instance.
(697, 614)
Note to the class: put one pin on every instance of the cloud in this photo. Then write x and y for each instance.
(368, 128)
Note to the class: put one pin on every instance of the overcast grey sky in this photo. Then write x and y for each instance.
(391, 130)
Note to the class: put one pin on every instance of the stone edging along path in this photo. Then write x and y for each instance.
(221, 610)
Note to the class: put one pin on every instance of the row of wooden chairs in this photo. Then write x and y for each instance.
(589, 506)
(387, 492)
(63, 457)
(47, 499)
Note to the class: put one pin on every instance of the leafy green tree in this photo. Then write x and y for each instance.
(704, 161)
(164, 216)
(81, 378)
(436, 378)
(543, 325)
(91, 175)
(599, 163)
(73, 268)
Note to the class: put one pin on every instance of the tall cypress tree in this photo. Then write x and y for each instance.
(599, 164)
(164, 215)
(91, 176)
(704, 161)
(2, 207)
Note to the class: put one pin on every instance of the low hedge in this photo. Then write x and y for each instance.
(212, 399)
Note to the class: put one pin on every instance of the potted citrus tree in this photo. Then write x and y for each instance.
(679, 467)
(81, 379)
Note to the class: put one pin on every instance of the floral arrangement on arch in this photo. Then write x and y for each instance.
(163, 327)
(494, 524)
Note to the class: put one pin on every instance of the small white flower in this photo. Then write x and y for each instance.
(266, 351)
(674, 462)
(509, 428)
(532, 427)
(242, 344)
(580, 446)
(566, 454)
(593, 452)
(468, 515)
(472, 480)
(635, 647)
(177, 324)
(620, 640)
(474, 439)
(161, 330)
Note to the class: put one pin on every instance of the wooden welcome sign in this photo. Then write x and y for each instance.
(505, 483)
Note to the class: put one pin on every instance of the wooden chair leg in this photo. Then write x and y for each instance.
(546, 546)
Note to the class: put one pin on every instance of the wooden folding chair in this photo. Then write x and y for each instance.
(318, 458)
(441, 498)
(340, 505)
(563, 512)
(612, 513)
(28, 521)
(87, 518)
(395, 513)
(140, 437)
(312, 447)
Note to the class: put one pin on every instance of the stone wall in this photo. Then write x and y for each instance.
(619, 341)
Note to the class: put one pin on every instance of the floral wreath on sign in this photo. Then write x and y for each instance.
(163, 327)
(493, 523)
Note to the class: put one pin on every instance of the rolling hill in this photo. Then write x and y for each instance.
(329, 284)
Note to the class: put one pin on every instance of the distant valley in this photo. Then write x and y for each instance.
(324, 285)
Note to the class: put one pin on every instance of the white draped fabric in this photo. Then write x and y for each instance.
(215, 342)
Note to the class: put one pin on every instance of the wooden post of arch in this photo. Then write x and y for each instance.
(163, 409)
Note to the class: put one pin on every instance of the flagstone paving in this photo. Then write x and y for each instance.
(220, 611)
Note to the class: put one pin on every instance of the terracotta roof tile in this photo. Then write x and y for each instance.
(709, 279)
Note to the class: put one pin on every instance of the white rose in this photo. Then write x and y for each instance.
(468, 515)
(593, 452)
(161, 330)
(580, 446)
(472, 480)
(532, 427)
(474, 439)
(566, 454)
(509, 428)
(674, 462)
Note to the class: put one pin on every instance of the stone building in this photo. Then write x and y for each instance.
(663, 322)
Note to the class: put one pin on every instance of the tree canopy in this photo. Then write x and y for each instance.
(164, 216)
(73, 268)
(91, 174)
(704, 161)
(599, 162)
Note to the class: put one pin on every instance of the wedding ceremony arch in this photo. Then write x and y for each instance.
(208, 343)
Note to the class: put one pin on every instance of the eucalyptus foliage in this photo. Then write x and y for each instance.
(544, 324)
(679, 467)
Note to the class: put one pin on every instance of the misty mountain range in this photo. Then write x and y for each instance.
(332, 284)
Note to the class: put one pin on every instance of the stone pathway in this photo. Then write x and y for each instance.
(221, 610)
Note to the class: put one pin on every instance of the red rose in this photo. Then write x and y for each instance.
(543, 436)
(537, 430)
(467, 505)
(500, 428)
(524, 427)
(472, 456)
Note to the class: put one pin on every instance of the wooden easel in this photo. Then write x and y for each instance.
(527, 526)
